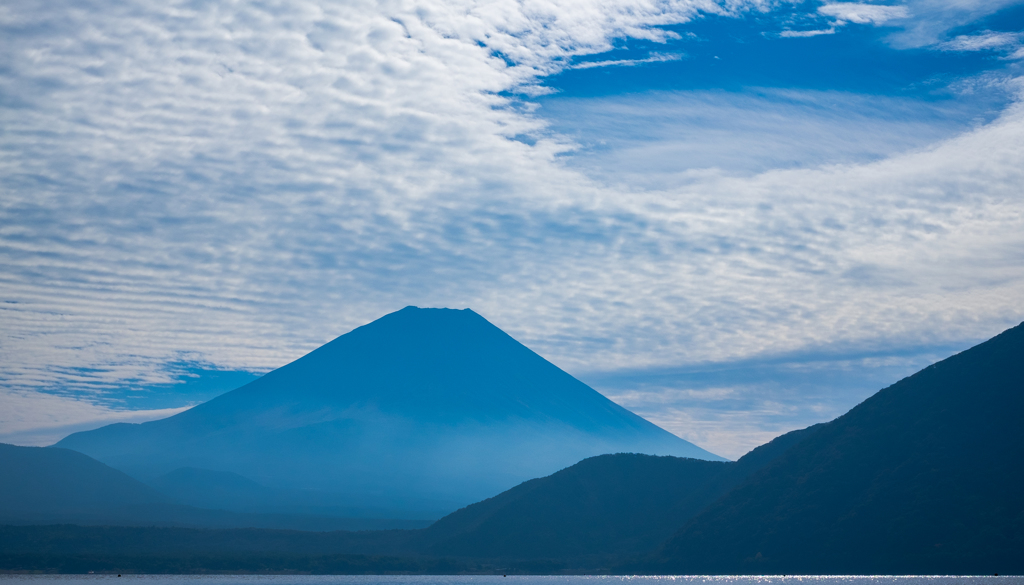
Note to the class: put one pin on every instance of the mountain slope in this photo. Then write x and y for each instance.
(415, 414)
(610, 504)
(605, 506)
(38, 482)
(923, 477)
(211, 489)
(51, 485)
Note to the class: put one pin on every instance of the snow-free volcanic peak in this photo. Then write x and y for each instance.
(417, 413)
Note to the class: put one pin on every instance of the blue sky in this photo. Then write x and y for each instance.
(737, 52)
(737, 218)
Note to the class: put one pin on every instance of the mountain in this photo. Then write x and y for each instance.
(51, 485)
(43, 483)
(609, 504)
(256, 505)
(924, 477)
(414, 415)
(213, 489)
(590, 515)
(601, 509)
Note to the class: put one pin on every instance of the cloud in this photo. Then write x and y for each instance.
(662, 140)
(32, 418)
(627, 62)
(246, 181)
(184, 165)
(930, 20)
(807, 33)
(916, 23)
(858, 13)
(732, 407)
(984, 41)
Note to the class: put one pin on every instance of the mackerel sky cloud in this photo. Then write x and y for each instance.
(731, 238)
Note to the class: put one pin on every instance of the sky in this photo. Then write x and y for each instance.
(736, 218)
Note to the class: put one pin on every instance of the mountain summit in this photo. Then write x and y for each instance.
(415, 414)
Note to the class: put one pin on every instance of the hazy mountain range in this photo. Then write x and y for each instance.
(922, 478)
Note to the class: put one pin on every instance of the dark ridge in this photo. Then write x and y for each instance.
(36, 480)
(601, 510)
(924, 477)
(608, 505)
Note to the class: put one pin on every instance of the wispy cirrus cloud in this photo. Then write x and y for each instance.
(914, 23)
(807, 33)
(656, 58)
(665, 139)
(1005, 42)
(839, 14)
(859, 13)
(33, 418)
(931, 19)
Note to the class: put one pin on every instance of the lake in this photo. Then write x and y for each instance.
(494, 580)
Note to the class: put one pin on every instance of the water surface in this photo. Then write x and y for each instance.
(494, 580)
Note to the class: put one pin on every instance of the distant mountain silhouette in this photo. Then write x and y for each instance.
(925, 477)
(268, 507)
(213, 489)
(51, 485)
(602, 508)
(38, 482)
(414, 415)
